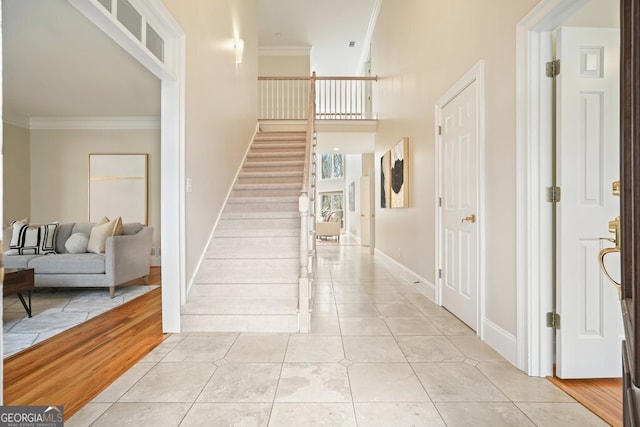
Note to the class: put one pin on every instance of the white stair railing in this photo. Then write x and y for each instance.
(336, 98)
(307, 233)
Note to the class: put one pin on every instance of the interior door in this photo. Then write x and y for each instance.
(459, 180)
(365, 211)
(587, 152)
(630, 205)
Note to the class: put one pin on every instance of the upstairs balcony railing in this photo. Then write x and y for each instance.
(336, 98)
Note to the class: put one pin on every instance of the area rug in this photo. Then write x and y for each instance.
(55, 311)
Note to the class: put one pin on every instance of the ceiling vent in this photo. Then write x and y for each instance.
(352, 44)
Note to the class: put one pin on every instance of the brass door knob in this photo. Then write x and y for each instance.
(470, 218)
(601, 256)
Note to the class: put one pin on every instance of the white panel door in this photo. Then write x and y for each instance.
(588, 341)
(365, 211)
(459, 148)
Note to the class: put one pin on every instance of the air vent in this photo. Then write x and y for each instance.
(352, 44)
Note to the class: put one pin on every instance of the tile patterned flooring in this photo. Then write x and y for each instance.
(379, 354)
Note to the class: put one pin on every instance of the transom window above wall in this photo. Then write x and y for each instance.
(331, 166)
(134, 22)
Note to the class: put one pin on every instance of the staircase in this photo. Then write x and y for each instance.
(249, 278)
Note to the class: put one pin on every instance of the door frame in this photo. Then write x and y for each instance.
(172, 74)
(533, 221)
(475, 74)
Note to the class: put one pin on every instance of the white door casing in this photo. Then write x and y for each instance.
(459, 211)
(588, 340)
(365, 211)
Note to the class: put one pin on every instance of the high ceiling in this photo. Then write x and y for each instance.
(327, 26)
(51, 65)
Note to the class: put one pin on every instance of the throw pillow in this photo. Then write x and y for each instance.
(77, 243)
(32, 239)
(100, 233)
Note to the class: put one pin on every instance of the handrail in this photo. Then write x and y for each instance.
(311, 118)
(305, 292)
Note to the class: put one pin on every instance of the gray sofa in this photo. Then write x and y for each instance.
(126, 257)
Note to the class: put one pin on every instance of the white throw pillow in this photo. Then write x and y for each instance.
(77, 243)
(100, 233)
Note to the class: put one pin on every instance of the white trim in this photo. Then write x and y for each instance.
(366, 45)
(219, 217)
(502, 341)
(98, 123)
(284, 50)
(475, 74)
(534, 340)
(424, 286)
(15, 120)
(172, 136)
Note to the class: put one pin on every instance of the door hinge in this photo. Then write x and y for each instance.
(553, 194)
(553, 68)
(440, 201)
(439, 130)
(553, 320)
(439, 273)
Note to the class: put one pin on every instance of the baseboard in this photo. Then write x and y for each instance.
(500, 340)
(217, 221)
(422, 285)
(355, 238)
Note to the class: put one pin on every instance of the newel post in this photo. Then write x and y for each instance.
(304, 318)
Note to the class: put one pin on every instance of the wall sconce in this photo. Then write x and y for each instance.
(238, 45)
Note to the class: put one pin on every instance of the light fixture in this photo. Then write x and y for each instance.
(238, 46)
(336, 148)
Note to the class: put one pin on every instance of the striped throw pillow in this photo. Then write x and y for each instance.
(32, 239)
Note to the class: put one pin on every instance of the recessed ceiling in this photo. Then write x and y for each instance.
(51, 67)
(328, 26)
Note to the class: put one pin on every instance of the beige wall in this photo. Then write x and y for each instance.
(16, 192)
(597, 13)
(60, 171)
(419, 51)
(270, 66)
(220, 107)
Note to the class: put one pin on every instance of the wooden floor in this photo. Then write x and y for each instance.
(74, 366)
(601, 396)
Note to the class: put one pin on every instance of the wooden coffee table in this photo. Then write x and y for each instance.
(17, 281)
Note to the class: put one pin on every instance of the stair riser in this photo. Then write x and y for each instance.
(258, 227)
(243, 291)
(248, 271)
(265, 192)
(297, 153)
(260, 215)
(275, 167)
(238, 323)
(247, 248)
(271, 180)
(243, 305)
(262, 207)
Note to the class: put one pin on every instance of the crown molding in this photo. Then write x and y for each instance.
(95, 123)
(15, 120)
(284, 50)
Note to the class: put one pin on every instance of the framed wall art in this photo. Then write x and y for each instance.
(400, 174)
(118, 187)
(385, 180)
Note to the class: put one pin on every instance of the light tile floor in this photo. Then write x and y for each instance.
(379, 354)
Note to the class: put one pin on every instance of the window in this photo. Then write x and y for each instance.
(332, 166)
(332, 204)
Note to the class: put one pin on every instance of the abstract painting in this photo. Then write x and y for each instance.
(400, 174)
(385, 180)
